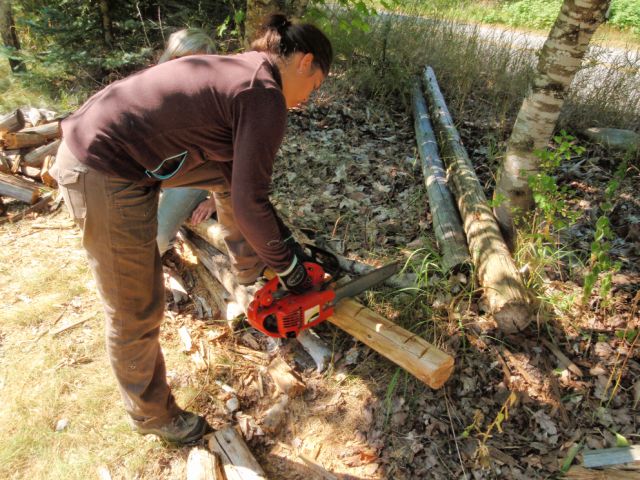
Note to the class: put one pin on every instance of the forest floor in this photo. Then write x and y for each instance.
(513, 408)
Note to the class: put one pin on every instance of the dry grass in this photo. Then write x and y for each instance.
(45, 284)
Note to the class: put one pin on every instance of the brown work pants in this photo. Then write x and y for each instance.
(118, 219)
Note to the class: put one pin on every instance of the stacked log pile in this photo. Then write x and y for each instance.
(28, 145)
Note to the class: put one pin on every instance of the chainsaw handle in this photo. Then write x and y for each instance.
(327, 260)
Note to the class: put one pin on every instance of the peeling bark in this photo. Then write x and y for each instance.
(560, 59)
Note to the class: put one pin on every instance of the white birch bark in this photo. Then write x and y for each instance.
(560, 59)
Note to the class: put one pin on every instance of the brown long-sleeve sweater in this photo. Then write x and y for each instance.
(170, 118)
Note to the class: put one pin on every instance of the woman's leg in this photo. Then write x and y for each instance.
(176, 205)
(118, 221)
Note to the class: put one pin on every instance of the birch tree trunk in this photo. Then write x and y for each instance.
(9, 36)
(560, 59)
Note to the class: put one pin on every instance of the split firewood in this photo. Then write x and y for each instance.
(446, 218)
(316, 348)
(176, 286)
(508, 300)
(203, 465)
(274, 416)
(237, 460)
(16, 161)
(285, 378)
(31, 172)
(11, 122)
(32, 136)
(36, 157)
(5, 163)
(18, 188)
(45, 176)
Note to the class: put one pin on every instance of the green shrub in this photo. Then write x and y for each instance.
(626, 14)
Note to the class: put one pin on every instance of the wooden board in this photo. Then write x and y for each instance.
(237, 460)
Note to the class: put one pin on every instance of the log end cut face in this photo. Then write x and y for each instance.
(513, 317)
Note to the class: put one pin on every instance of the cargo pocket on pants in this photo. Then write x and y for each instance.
(71, 184)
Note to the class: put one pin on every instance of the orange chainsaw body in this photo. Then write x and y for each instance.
(278, 313)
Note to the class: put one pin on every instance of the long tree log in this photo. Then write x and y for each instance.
(32, 136)
(507, 298)
(446, 218)
(237, 460)
(12, 122)
(36, 157)
(18, 188)
(402, 347)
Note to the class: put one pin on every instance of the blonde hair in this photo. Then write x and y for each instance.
(189, 41)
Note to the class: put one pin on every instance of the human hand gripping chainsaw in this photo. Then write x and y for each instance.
(280, 313)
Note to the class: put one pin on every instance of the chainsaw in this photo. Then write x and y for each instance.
(281, 314)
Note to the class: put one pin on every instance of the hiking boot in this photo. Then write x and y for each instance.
(186, 427)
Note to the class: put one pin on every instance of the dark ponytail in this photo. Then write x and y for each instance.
(283, 38)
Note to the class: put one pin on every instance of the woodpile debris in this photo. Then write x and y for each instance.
(29, 140)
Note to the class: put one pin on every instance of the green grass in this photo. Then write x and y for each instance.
(45, 378)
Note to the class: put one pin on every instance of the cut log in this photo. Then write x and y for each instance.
(507, 298)
(285, 378)
(446, 218)
(407, 350)
(18, 188)
(36, 157)
(49, 130)
(32, 136)
(218, 265)
(11, 122)
(237, 461)
(203, 465)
